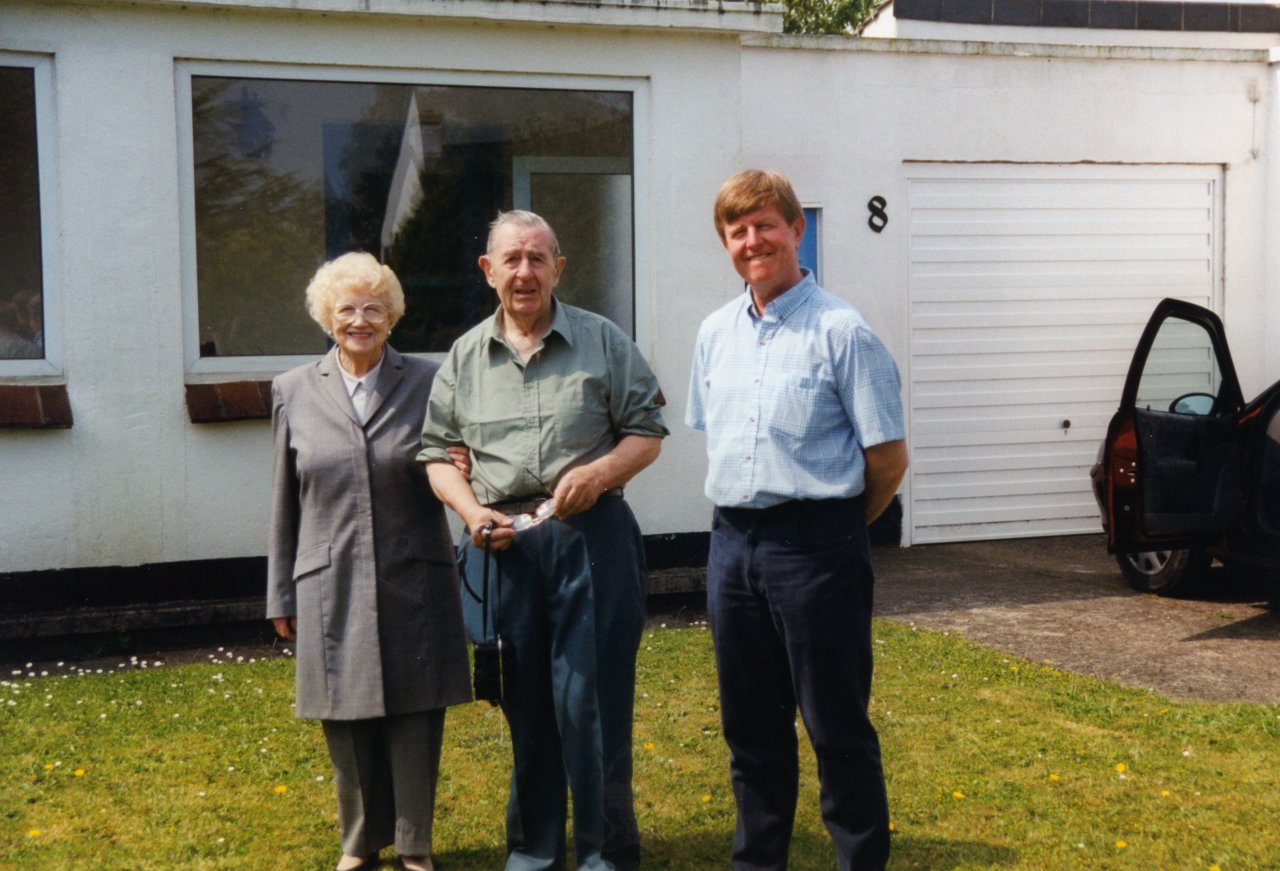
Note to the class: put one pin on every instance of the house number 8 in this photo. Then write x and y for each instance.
(879, 217)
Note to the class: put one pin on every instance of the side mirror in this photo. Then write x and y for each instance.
(1193, 403)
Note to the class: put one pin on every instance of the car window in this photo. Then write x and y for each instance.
(1181, 373)
(1269, 475)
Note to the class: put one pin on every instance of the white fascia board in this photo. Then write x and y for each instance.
(896, 45)
(725, 16)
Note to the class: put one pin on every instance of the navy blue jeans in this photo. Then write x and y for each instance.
(789, 592)
(573, 611)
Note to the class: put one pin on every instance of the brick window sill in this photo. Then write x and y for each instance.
(43, 406)
(223, 401)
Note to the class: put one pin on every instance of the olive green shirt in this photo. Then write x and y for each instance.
(526, 424)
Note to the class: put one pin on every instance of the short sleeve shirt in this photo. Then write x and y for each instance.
(527, 423)
(789, 399)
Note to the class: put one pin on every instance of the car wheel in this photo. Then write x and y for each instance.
(1164, 572)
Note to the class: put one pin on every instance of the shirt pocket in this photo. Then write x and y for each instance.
(803, 406)
(579, 410)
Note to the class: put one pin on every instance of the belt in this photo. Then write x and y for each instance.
(529, 504)
(519, 505)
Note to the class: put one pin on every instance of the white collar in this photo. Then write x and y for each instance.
(368, 379)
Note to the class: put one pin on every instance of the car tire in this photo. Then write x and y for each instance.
(1164, 572)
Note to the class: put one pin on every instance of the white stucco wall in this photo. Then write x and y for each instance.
(846, 116)
(134, 482)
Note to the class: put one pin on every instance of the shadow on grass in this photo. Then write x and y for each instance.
(814, 850)
(809, 850)
(940, 854)
(484, 859)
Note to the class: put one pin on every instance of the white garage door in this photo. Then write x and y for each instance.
(1030, 285)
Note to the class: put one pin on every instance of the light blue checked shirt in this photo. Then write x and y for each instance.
(789, 399)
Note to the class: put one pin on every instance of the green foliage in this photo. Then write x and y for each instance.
(991, 762)
(827, 16)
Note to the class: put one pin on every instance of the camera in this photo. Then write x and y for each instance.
(492, 670)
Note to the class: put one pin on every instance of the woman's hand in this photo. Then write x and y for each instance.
(286, 627)
(461, 456)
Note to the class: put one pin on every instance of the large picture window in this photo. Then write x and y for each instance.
(290, 173)
(21, 275)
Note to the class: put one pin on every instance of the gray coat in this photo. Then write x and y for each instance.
(360, 551)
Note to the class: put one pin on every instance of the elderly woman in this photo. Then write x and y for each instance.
(361, 569)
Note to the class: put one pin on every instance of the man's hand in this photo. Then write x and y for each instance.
(452, 489)
(580, 488)
(502, 535)
(577, 491)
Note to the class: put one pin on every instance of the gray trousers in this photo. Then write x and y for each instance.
(385, 770)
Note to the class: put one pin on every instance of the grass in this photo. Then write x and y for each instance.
(992, 762)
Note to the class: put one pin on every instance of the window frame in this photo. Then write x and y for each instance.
(27, 371)
(813, 230)
(203, 369)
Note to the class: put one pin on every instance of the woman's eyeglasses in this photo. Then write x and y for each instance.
(374, 313)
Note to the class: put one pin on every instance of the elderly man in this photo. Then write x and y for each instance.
(555, 403)
(800, 402)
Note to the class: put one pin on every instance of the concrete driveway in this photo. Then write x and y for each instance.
(1064, 599)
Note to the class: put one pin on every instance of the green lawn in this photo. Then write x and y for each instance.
(992, 762)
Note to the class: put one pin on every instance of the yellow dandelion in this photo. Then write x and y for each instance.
(1120, 845)
(79, 772)
(957, 794)
(1214, 868)
(893, 827)
(1121, 768)
(48, 766)
(33, 833)
(1164, 793)
(281, 789)
(1054, 778)
(648, 745)
(706, 798)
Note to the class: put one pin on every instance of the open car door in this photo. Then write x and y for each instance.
(1173, 449)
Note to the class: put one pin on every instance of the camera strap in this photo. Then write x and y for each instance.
(487, 532)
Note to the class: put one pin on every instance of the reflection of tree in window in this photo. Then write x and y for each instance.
(319, 186)
(21, 287)
(256, 245)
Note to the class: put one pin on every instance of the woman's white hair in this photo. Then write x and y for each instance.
(356, 272)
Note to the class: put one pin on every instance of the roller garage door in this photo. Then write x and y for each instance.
(1029, 286)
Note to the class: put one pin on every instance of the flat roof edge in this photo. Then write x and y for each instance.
(727, 16)
(879, 45)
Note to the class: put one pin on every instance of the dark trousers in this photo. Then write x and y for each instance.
(616, 551)
(572, 697)
(385, 771)
(789, 592)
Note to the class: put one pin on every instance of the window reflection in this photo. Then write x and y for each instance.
(1182, 361)
(21, 288)
(291, 173)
